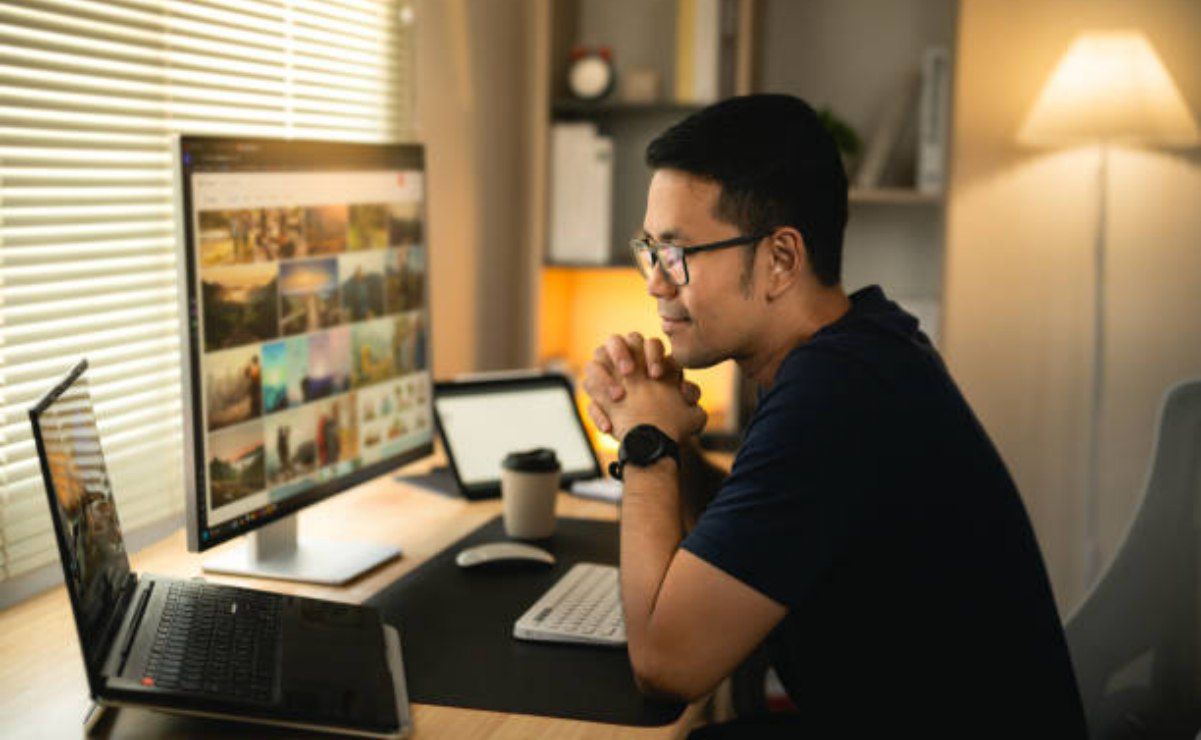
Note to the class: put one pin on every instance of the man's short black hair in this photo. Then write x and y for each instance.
(776, 165)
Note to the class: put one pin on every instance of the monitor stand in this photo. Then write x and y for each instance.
(274, 551)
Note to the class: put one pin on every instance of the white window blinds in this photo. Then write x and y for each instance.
(90, 93)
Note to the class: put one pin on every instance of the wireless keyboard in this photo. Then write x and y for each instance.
(584, 606)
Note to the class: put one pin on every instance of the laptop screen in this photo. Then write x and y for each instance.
(93, 551)
(484, 421)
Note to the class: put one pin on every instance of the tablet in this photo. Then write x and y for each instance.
(482, 421)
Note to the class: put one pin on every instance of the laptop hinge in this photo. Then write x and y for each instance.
(116, 619)
(134, 622)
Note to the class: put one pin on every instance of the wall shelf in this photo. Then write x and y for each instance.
(570, 108)
(590, 265)
(894, 236)
(894, 196)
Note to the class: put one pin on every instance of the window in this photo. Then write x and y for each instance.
(91, 92)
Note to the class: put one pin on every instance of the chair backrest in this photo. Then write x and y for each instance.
(1134, 639)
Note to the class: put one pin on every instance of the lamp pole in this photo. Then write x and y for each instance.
(1108, 86)
(1092, 494)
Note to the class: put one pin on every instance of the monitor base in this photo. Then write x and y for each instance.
(276, 552)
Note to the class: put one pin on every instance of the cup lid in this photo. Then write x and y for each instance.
(538, 460)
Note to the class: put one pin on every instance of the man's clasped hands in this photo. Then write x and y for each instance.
(632, 381)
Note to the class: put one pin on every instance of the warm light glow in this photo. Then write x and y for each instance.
(581, 308)
(1110, 87)
(609, 445)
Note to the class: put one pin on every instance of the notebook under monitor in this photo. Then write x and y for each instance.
(197, 648)
(482, 421)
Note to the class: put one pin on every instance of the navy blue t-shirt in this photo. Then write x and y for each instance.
(868, 500)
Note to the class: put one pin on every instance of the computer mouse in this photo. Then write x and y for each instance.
(503, 552)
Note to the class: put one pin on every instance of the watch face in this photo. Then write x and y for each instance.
(641, 444)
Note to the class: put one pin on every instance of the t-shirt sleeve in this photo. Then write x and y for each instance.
(792, 504)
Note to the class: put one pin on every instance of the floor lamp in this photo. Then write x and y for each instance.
(1108, 88)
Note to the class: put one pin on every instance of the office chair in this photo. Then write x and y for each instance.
(1134, 639)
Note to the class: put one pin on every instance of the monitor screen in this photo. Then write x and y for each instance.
(308, 356)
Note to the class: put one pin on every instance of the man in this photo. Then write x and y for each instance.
(868, 534)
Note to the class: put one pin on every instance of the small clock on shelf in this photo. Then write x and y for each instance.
(591, 76)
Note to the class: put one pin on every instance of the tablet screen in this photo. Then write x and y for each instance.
(483, 425)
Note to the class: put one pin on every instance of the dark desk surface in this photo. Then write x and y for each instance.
(457, 627)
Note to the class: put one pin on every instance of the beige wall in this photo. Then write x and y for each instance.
(473, 86)
(1020, 232)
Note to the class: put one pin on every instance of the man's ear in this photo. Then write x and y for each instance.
(787, 260)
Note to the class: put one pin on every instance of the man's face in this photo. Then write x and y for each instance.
(710, 319)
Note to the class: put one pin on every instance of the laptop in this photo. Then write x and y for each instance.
(197, 648)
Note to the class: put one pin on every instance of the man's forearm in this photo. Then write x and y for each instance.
(651, 531)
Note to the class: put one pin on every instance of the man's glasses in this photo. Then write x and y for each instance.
(674, 259)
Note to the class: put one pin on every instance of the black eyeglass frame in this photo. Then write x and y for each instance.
(638, 244)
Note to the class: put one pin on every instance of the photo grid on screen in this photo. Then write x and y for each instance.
(313, 344)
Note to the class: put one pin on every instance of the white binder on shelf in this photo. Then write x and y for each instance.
(933, 120)
(706, 48)
(581, 195)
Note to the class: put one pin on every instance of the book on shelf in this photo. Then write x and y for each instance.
(882, 145)
(685, 37)
(727, 51)
(933, 120)
(917, 116)
(581, 195)
(706, 61)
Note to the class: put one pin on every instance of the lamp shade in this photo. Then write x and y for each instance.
(1112, 87)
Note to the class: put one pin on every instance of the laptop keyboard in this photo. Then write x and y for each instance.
(217, 640)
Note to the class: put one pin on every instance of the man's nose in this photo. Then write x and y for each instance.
(658, 284)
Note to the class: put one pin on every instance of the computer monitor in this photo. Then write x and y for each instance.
(305, 342)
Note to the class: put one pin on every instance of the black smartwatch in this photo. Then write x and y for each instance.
(643, 446)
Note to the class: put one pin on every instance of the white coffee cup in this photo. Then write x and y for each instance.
(529, 487)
